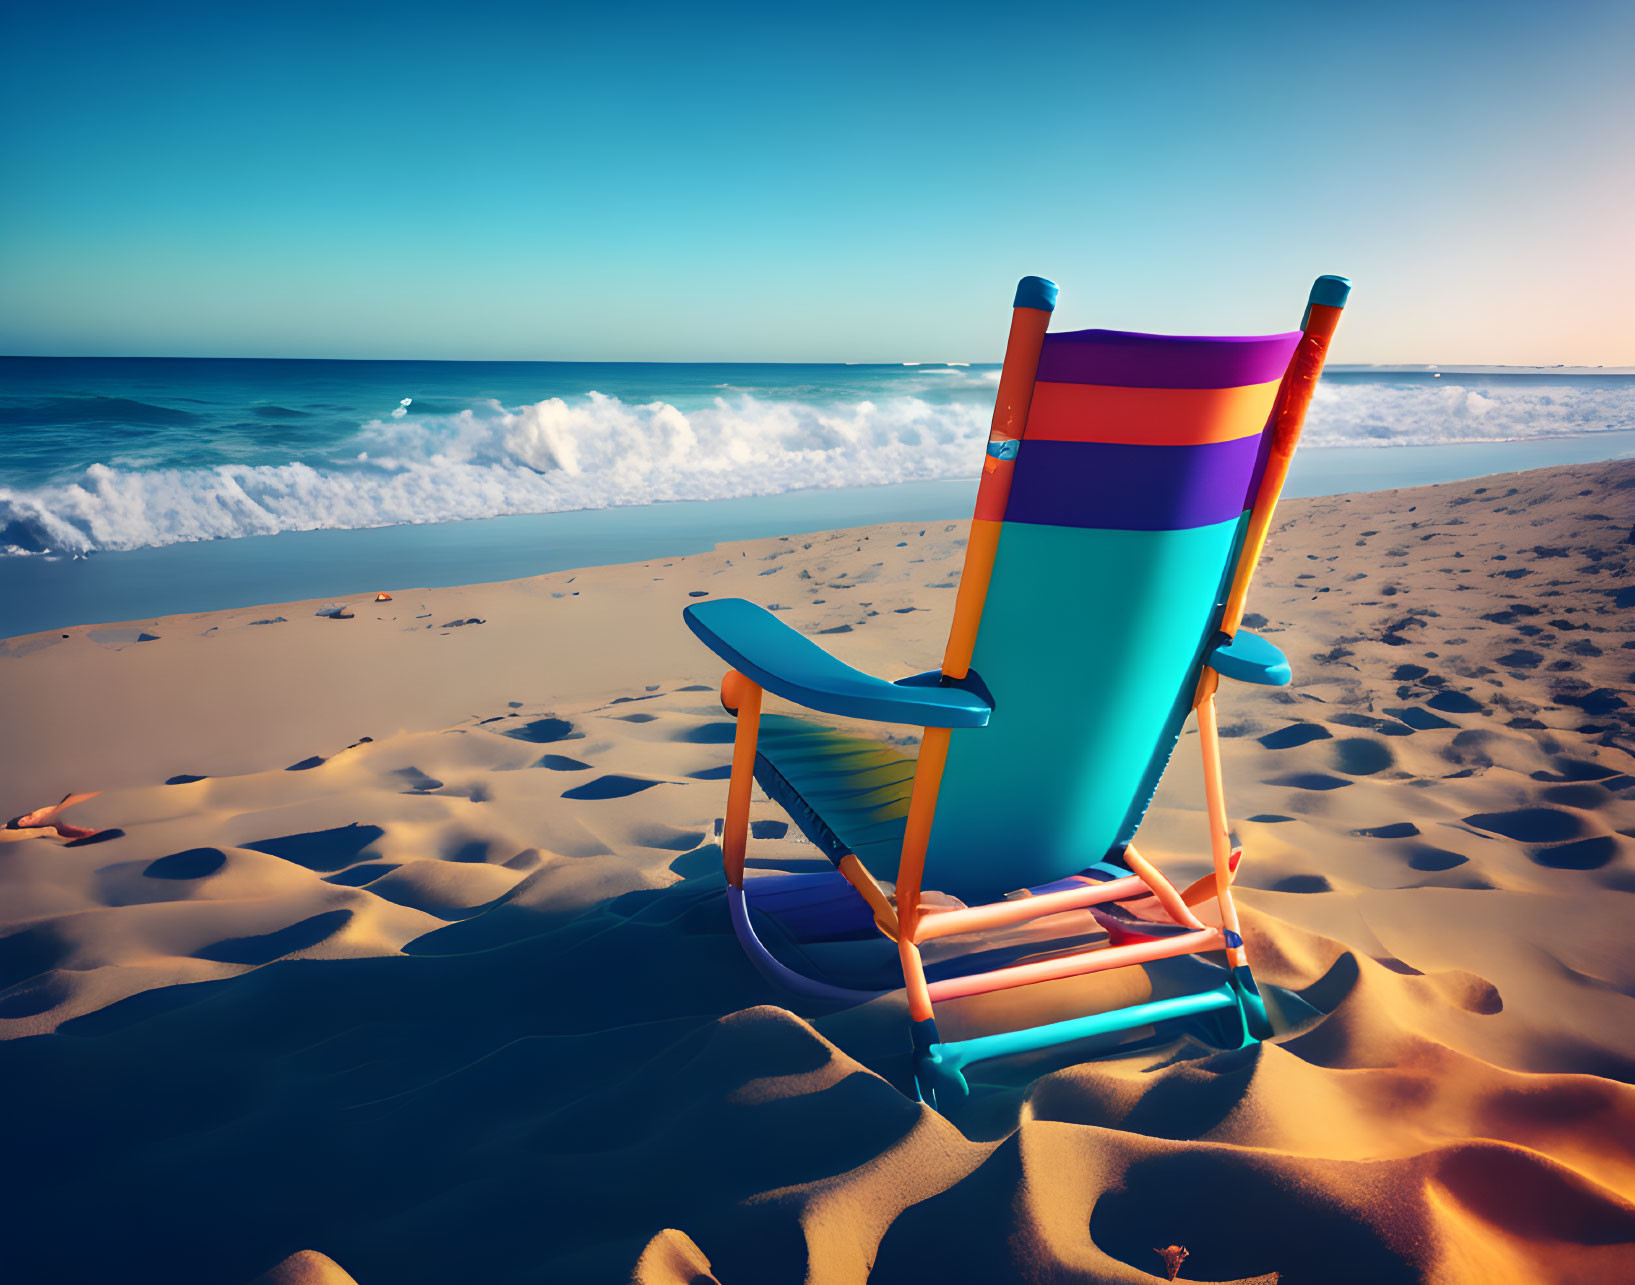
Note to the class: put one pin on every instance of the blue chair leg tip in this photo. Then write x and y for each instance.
(940, 1084)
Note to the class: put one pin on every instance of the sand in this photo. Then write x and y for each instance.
(410, 962)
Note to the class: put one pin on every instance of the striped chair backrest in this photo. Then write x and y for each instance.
(1125, 514)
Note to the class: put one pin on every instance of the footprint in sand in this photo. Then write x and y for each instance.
(612, 786)
(1431, 860)
(1310, 781)
(195, 863)
(359, 876)
(1420, 720)
(1456, 703)
(1396, 830)
(1587, 795)
(562, 763)
(266, 947)
(1301, 883)
(1530, 825)
(717, 733)
(1571, 769)
(323, 850)
(416, 781)
(1585, 854)
(544, 731)
(1295, 735)
(1359, 756)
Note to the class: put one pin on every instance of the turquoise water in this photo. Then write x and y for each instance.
(140, 487)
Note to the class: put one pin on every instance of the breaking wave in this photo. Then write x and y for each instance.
(555, 455)
(597, 451)
(1345, 413)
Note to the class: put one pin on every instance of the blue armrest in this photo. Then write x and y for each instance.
(760, 646)
(1249, 658)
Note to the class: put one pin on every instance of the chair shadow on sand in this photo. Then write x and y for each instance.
(523, 1094)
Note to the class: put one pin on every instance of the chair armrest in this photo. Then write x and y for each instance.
(787, 663)
(1249, 658)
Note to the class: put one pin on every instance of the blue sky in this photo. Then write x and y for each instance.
(489, 180)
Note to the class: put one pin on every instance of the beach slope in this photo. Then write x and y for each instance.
(397, 951)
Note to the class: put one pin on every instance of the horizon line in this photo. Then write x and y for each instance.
(1345, 367)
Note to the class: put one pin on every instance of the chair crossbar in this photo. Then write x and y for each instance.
(946, 923)
(955, 1054)
(1090, 961)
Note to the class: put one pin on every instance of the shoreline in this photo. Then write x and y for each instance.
(131, 586)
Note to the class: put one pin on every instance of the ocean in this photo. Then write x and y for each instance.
(132, 487)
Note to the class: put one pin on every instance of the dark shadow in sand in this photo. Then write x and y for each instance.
(562, 763)
(1585, 854)
(721, 733)
(322, 850)
(1530, 825)
(1295, 735)
(1429, 859)
(424, 1118)
(1396, 830)
(1419, 719)
(1311, 781)
(360, 875)
(266, 947)
(544, 731)
(611, 786)
(195, 863)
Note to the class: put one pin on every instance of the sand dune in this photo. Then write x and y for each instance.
(412, 953)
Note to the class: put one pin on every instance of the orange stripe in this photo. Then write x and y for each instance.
(1148, 416)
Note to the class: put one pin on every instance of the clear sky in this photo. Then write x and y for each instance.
(777, 182)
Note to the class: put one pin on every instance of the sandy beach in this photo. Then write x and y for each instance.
(401, 947)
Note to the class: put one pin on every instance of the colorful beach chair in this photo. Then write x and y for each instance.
(1125, 498)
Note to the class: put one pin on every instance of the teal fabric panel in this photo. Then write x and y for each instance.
(1090, 642)
(1182, 706)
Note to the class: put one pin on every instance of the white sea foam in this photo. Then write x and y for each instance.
(597, 451)
(591, 452)
(1387, 414)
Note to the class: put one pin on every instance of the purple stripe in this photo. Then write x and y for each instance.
(1129, 360)
(1132, 488)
